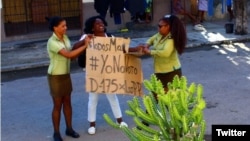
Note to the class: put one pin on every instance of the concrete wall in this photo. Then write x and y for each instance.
(2, 23)
(2, 27)
(160, 8)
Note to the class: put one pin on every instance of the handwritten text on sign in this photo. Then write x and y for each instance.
(111, 71)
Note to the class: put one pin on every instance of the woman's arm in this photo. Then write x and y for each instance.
(134, 49)
(78, 44)
(146, 49)
(81, 42)
(138, 48)
(166, 50)
(82, 45)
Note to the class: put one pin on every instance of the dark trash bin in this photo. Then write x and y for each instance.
(229, 27)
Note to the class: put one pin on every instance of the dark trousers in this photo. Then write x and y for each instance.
(165, 78)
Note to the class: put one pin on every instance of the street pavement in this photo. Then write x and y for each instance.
(21, 54)
(218, 61)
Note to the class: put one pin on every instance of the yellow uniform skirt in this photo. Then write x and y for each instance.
(60, 85)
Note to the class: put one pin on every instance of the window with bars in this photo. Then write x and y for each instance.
(28, 16)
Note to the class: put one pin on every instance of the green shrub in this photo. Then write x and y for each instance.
(176, 116)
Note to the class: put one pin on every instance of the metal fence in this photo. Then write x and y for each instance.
(28, 16)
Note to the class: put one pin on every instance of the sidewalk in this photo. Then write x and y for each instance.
(31, 54)
(26, 106)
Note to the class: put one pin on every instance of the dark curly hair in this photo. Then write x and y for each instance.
(90, 23)
(54, 21)
(178, 32)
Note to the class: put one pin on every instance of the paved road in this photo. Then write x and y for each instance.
(222, 70)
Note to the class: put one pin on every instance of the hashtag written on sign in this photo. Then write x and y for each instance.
(109, 70)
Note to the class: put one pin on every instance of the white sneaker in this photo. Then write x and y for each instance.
(91, 130)
(123, 124)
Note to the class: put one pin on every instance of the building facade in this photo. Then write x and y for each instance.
(25, 19)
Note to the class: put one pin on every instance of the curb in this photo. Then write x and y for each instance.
(226, 41)
(46, 63)
(24, 66)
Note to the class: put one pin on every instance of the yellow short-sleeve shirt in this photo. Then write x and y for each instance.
(58, 64)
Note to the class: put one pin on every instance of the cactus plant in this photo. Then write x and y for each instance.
(176, 116)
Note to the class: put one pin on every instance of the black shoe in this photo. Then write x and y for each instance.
(72, 133)
(57, 137)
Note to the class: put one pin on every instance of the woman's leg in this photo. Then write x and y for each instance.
(199, 16)
(56, 116)
(67, 110)
(202, 16)
(229, 10)
(115, 106)
(56, 113)
(92, 104)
